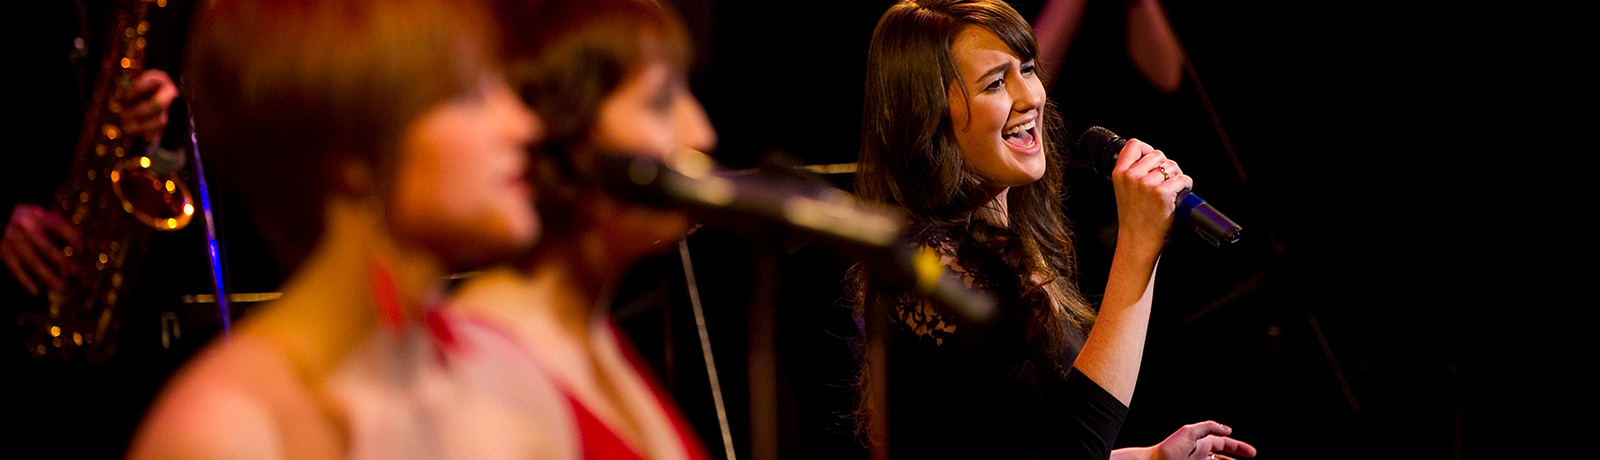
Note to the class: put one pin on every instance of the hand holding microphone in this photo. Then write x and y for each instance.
(1103, 150)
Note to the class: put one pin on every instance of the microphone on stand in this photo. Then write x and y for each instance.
(1102, 148)
(690, 180)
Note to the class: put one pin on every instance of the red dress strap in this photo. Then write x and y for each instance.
(686, 436)
(599, 441)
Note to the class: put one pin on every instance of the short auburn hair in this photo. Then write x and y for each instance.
(285, 92)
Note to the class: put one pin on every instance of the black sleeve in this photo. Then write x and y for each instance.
(959, 390)
(1090, 417)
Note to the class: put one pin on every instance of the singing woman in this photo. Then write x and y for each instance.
(957, 129)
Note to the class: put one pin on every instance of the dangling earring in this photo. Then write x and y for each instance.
(385, 295)
(386, 299)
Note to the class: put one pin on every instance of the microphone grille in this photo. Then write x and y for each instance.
(1099, 147)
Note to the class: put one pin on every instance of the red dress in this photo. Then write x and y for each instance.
(476, 342)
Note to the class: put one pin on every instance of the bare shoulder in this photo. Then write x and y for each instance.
(227, 403)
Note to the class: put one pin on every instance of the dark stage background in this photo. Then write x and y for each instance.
(1369, 311)
(1374, 307)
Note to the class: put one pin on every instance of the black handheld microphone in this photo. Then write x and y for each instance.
(690, 181)
(1101, 147)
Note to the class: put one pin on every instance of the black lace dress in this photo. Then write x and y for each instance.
(959, 390)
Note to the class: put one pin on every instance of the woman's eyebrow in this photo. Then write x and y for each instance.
(994, 70)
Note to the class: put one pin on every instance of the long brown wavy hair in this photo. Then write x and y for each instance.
(910, 156)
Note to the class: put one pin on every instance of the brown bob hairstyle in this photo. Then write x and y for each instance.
(286, 93)
(565, 57)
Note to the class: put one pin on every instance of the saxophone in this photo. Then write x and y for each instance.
(115, 199)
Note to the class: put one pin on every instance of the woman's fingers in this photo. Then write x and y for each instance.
(1198, 431)
(1132, 151)
(1225, 444)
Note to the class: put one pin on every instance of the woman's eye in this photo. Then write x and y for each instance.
(1029, 68)
(995, 85)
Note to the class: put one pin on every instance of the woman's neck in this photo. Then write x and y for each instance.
(572, 276)
(996, 211)
(329, 306)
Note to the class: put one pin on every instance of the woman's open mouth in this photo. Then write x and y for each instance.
(1023, 136)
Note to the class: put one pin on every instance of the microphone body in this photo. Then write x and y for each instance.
(1103, 146)
(874, 233)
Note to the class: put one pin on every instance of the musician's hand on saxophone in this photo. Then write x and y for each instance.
(145, 104)
(33, 247)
